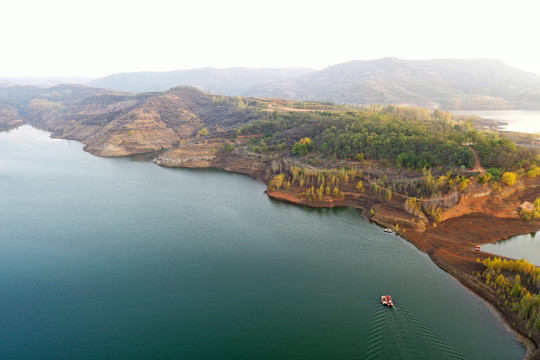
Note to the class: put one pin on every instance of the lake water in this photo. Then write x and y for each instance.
(115, 258)
(518, 247)
(527, 121)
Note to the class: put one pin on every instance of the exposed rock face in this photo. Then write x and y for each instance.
(138, 131)
(212, 155)
(191, 156)
(129, 125)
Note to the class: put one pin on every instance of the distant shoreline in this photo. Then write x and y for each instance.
(524, 121)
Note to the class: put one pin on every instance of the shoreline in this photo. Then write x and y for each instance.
(458, 260)
(456, 265)
(453, 252)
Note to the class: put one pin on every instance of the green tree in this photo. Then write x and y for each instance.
(299, 149)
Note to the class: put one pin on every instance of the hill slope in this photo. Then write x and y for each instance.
(230, 81)
(445, 83)
(114, 123)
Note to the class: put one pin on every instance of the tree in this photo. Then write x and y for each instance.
(307, 141)
(509, 178)
(299, 149)
(302, 147)
(327, 190)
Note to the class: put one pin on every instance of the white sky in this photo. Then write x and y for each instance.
(100, 37)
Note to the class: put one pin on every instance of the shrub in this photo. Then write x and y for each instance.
(509, 178)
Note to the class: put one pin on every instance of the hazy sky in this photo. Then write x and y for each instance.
(99, 37)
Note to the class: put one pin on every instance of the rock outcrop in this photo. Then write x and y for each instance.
(212, 155)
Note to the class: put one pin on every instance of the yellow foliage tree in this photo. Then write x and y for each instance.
(509, 178)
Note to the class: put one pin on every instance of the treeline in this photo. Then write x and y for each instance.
(317, 183)
(410, 137)
(513, 281)
(425, 196)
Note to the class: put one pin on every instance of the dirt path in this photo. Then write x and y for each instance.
(477, 166)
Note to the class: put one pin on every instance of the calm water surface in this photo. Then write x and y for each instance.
(527, 121)
(115, 258)
(518, 247)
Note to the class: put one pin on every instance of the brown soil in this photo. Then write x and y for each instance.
(477, 166)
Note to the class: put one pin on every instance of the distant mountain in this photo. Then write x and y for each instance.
(44, 81)
(231, 81)
(445, 83)
(438, 83)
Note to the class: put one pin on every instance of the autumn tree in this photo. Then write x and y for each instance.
(509, 178)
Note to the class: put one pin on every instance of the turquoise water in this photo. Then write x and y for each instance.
(518, 247)
(115, 258)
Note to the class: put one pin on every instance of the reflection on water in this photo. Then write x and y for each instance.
(523, 246)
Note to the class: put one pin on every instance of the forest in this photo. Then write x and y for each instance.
(413, 138)
(516, 283)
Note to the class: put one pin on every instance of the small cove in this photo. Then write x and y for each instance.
(525, 246)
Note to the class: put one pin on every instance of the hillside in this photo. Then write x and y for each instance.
(115, 123)
(231, 81)
(442, 83)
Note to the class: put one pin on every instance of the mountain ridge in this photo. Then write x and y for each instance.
(437, 83)
(453, 84)
(229, 81)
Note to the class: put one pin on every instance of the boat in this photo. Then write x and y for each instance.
(477, 248)
(388, 230)
(387, 300)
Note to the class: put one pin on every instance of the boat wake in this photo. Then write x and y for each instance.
(397, 334)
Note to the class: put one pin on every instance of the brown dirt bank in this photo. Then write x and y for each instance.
(451, 246)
